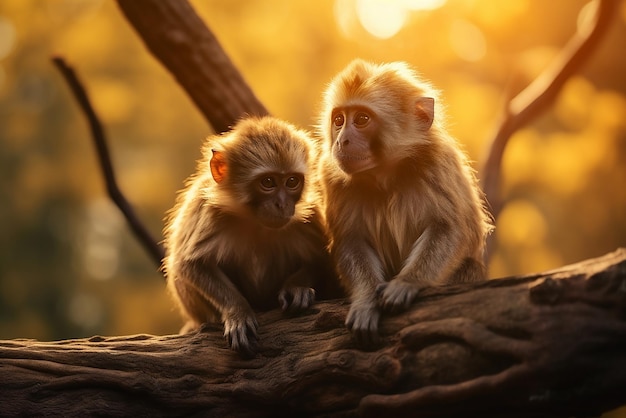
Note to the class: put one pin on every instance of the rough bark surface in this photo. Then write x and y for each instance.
(180, 40)
(550, 344)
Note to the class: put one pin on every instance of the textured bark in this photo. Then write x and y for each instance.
(178, 38)
(550, 344)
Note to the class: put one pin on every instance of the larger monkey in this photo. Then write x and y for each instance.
(402, 204)
(245, 234)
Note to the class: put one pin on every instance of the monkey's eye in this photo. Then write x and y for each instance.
(361, 119)
(268, 183)
(338, 120)
(293, 182)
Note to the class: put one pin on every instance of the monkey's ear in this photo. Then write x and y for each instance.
(218, 166)
(425, 111)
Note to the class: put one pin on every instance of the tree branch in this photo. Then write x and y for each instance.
(177, 37)
(191, 52)
(543, 345)
(540, 93)
(155, 250)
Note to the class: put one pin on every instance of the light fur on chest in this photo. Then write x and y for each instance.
(394, 228)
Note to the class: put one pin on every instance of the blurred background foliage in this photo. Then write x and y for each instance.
(69, 266)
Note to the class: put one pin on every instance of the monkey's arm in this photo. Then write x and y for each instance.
(240, 324)
(360, 267)
(434, 256)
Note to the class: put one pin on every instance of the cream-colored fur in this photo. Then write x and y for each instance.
(222, 262)
(417, 218)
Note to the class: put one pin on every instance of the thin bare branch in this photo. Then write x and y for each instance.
(529, 103)
(155, 250)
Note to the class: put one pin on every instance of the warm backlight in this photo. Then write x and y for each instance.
(380, 18)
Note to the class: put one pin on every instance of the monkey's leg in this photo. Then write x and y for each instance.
(470, 270)
(240, 324)
(361, 268)
(195, 308)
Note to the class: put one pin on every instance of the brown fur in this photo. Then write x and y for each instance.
(222, 263)
(417, 217)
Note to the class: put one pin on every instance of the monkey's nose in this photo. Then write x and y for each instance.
(343, 143)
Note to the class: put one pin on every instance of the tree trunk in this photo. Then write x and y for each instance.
(178, 38)
(550, 344)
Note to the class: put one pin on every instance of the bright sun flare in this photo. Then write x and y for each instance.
(384, 18)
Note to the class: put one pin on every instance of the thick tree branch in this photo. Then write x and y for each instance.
(543, 345)
(155, 250)
(177, 37)
(529, 103)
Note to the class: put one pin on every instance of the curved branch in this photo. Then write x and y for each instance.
(540, 93)
(155, 250)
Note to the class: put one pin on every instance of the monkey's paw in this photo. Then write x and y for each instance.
(396, 295)
(241, 332)
(362, 321)
(296, 298)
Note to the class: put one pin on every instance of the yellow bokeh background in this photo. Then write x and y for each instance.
(69, 267)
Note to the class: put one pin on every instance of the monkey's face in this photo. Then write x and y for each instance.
(274, 197)
(355, 136)
(261, 170)
(376, 116)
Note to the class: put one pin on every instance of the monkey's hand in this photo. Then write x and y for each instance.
(396, 295)
(241, 331)
(296, 298)
(362, 321)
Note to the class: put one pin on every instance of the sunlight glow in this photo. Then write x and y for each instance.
(467, 41)
(346, 17)
(381, 18)
(522, 223)
(7, 37)
(423, 4)
(499, 14)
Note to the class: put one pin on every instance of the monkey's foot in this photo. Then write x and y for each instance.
(242, 334)
(362, 321)
(396, 295)
(296, 298)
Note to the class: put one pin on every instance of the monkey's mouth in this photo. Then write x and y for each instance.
(352, 157)
(275, 222)
(354, 163)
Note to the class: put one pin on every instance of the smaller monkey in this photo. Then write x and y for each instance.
(402, 203)
(245, 234)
